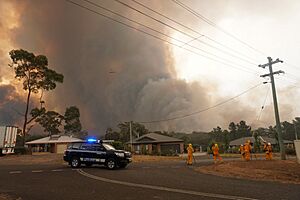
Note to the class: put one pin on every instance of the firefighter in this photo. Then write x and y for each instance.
(215, 150)
(190, 151)
(247, 150)
(242, 152)
(268, 150)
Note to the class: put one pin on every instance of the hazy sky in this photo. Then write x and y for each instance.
(154, 80)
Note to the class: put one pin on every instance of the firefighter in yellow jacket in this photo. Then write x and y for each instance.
(247, 150)
(190, 151)
(242, 152)
(215, 150)
(268, 150)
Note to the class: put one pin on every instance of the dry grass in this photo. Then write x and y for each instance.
(148, 158)
(286, 171)
(7, 197)
(40, 158)
(50, 158)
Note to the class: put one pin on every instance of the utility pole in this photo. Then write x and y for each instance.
(296, 135)
(278, 125)
(130, 130)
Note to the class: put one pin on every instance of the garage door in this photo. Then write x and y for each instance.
(61, 148)
(170, 148)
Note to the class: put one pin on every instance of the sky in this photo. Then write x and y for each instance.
(115, 73)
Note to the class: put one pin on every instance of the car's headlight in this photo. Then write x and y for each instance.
(120, 154)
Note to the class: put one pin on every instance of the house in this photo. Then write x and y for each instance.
(154, 143)
(236, 143)
(52, 144)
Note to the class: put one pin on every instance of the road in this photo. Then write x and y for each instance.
(149, 180)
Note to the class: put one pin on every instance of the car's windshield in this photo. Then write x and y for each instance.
(108, 147)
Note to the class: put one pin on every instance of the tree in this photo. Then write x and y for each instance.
(123, 135)
(112, 135)
(35, 75)
(72, 121)
(233, 131)
(243, 130)
(137, 130)
(50, 121)
(288, 130)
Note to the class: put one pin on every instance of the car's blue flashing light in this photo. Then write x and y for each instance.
(92, 140)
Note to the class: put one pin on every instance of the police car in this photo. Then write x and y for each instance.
(96, 152)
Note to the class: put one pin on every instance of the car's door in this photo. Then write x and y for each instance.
(87, 154)
(99, 153)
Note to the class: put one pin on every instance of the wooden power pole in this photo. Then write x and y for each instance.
(278, 125)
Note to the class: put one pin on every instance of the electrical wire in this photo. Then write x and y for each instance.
(208, 21)
(293, 66)
(154, 36)
(197, 32)
(152, 29)
(263, 106)
(200, 111)
(182, 32)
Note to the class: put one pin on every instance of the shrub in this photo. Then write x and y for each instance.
(290, 151)
(22, 150)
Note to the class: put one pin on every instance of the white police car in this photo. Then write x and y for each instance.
(95, 152)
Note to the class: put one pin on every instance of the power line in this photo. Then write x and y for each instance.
(178, 30)
(149, 34)
(203, 110)
(197, 32)
(265, 100)
(152, 29)
(287, 80)
(293, 66)
(215, 25)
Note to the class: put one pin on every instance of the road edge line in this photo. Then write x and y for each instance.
(161, 188)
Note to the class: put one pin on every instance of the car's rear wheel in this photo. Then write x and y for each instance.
(111, 163)
(75, 162)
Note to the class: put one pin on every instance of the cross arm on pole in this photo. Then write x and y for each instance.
(277, 72)
(270, 62)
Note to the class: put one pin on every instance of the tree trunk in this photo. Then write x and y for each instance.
(25, 117)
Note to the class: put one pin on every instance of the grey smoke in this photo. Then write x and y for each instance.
(114, 74)
(11, 106)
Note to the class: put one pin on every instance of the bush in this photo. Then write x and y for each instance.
(290, 151)
(118, 145)
(22, 150)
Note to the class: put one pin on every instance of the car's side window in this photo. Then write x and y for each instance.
(86, 146)
(76, 145)
(97, 147)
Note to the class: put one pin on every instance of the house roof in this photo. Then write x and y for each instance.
(154, 138)
(242, 140)
(55, 139)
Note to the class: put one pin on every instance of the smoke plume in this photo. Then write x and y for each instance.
(112, 73)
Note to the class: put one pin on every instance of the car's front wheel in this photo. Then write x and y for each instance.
(75, 162)
(111, 163)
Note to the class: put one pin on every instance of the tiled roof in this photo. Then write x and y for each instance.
(55, 139)
(155, 138)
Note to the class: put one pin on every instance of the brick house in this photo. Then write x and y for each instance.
(154, 143)
(52, 144)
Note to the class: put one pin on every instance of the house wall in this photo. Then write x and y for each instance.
(51, 148)
(157, 148)
(60, 148)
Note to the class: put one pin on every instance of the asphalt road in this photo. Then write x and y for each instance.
(150, 180)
